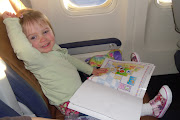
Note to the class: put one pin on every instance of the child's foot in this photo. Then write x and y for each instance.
(161, 101)
(135, 57)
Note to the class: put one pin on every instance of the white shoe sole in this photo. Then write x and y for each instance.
(166, 93)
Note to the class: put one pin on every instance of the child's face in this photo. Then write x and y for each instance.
(40, 35)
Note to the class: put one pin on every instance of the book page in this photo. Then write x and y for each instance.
(105, 103)
(129, 77)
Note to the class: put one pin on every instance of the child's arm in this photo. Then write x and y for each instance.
(40, 118)
(80, 65)
(84, 67)
(19, 42)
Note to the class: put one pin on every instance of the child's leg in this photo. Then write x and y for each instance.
(69, 113)
(159, 105)
(72, 114)
(135, 57)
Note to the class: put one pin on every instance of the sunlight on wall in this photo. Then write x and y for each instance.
(164, 2)
(5, 6)
(2, 69)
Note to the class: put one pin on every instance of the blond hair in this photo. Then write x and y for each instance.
(30, 16)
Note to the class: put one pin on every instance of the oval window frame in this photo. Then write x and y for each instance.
(99, 9)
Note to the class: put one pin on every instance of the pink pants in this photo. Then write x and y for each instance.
(63, 108)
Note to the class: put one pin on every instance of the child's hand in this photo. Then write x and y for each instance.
(7, 14)
(99, 71)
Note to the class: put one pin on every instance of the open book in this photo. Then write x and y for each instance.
(117, 95)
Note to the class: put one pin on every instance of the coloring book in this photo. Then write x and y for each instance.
(115, 95)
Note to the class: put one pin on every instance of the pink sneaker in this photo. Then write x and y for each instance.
(161, 101)
(135, 57)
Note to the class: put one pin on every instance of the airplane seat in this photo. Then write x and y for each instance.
(176, 16)
(177, 59)
(28, 99)
(8, 97)
(9, 57)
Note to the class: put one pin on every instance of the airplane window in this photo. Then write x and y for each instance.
(164, 2)
(84, 4)
(81, 7)
(87, 3)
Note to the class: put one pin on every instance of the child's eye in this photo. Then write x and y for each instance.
(46, 31)
(33, 37)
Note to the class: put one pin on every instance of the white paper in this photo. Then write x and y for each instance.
(105, 103)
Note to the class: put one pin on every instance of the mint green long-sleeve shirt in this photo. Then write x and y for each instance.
(56, 71)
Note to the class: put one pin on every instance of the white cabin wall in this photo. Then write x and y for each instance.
(27, 3)
(139, 24)
(161, 39)
(154, 37)
(136, 25)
